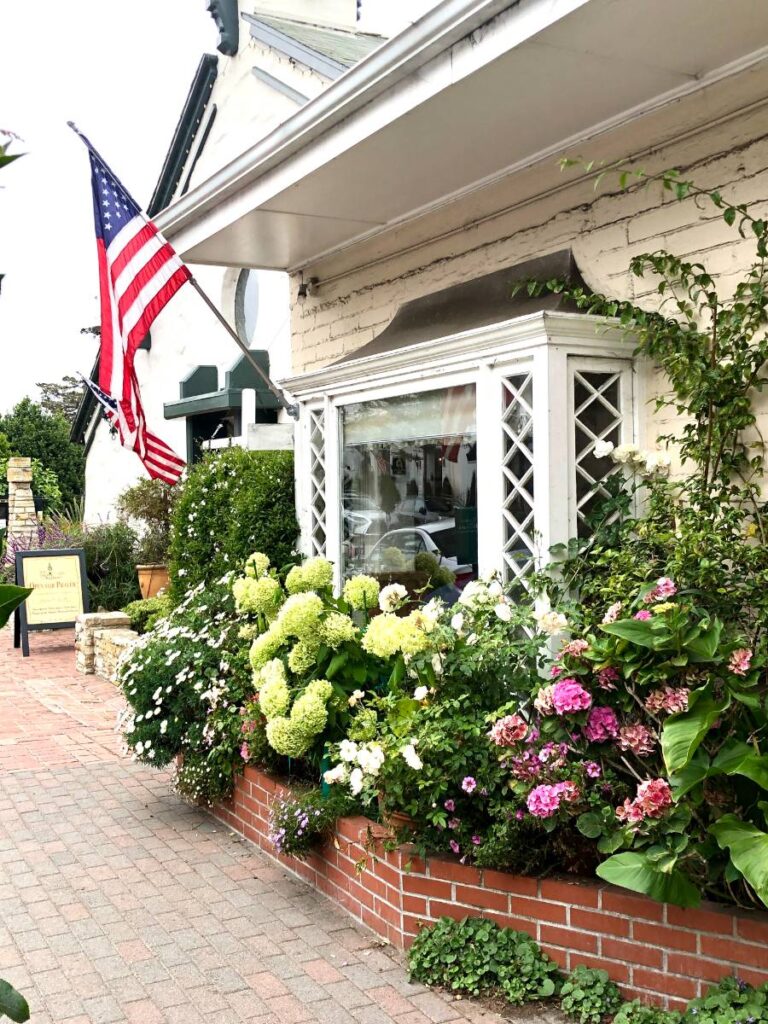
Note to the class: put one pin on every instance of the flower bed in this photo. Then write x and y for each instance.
(654, 951)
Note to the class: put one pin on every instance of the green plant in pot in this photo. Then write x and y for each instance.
(150, 504)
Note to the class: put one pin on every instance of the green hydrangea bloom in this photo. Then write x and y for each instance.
(302, 657)
(266, 646)
(314, 574)
(300, 616)
(337, 629)
(383, 636)
(257, 565)
(361, 592)
(274, 695)
(309, 713)
(286, 739)
(262, 595)
(413, 639)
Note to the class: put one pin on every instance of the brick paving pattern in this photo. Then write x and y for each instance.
(119, 903)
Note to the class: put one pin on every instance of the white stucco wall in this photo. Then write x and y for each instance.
(185, 335)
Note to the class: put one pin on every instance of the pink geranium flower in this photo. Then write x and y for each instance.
(740, 661)
(672, 699)
(664, 588)
(643, 615)
(575, 648)
(593, 769)
(606, 677)
(569, 696)
(469, 785)
(637, 738)
(602, 725)
(508, 731)
(450, 806)
(454, 846)
(245, 752)
(543, 801)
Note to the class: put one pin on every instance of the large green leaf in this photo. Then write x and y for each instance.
(682, 734)
(704, 647)
(12, 1003)
(10, 599)
(748, 847)
(634, 871)
(636, 631)
(688, 778)
(741, 759)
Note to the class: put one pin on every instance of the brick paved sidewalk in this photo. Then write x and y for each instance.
(120, 903)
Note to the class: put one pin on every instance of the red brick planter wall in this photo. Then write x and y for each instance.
(655, 951)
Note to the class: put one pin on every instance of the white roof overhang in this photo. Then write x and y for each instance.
(474, 92)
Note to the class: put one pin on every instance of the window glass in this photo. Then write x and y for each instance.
(247, 305)
(409, 483)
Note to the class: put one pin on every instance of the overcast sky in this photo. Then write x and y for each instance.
(121, 72)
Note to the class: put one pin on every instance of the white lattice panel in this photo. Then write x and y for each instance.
(517, 468)
(598, 416)
(317, 478)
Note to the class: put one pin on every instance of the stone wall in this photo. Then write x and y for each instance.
(100, 639)
(22, 518)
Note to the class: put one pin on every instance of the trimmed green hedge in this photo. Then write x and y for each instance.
(233, 503)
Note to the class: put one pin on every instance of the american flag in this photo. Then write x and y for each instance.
(139, 273)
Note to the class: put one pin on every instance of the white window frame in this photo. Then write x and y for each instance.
(550, 344)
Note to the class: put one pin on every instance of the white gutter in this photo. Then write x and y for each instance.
(395, 60)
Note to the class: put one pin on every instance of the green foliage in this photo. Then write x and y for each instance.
(144, 614)
(62, 398)
(10, 599)
(730, 1002)
(588, 995)
(439, 575)
(233, 502)
(185, 683)
(45, 483)
(12, 1004)
(32, 432)
(297, 824)
(111, 565)
(150, 503)
(478, 957)
(641, 1013)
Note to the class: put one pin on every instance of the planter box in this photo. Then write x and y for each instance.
(654, 951)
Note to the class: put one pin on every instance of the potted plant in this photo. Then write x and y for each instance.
(150, 504)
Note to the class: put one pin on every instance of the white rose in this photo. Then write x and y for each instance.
(457, 622)
(551, 622)
(495, 589)
(357, 695)
(348, 750)
(412, 759)
(472, 639)
(657, 462)
(356, 781)
(504, 612)
(625, 453)
(602, 449)
(437, 664)
(334, 775)
(420, 692)
(392, 597)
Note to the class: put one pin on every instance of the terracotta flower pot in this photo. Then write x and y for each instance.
(152, 579)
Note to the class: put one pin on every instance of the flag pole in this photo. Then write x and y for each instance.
(291, 409)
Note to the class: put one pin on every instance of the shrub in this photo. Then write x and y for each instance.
(641, 1013)
(111, 565)
(588, 995)
(478, 957)
(150, 502)
(233, 502)
(146, 613)
(299, 823)
(732, 1001)
(185, 683)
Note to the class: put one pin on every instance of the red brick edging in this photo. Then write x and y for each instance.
(655, 951)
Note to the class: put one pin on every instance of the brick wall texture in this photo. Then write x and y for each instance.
(654, 951)
(360, 291)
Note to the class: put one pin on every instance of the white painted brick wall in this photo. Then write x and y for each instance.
(604, 229)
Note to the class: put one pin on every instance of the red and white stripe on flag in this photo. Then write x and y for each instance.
(139, 273)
